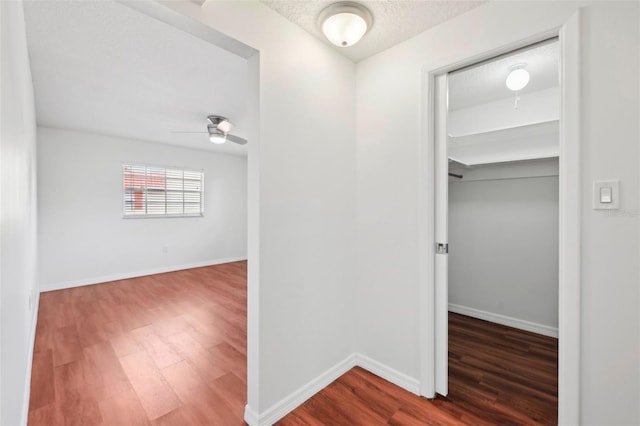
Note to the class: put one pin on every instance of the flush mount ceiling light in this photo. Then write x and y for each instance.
(518, 78)
(345, 23)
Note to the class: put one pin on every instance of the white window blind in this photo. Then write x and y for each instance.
(153, 191)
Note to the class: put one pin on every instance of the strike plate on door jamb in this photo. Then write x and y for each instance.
(442, 248)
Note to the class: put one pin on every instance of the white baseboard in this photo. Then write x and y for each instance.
(298, 397)
(533, 327)
(32, 343)
(135, 274)
(250, 416)
(389, 374)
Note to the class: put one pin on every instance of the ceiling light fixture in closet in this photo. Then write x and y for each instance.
(517, 80)
(345, 23)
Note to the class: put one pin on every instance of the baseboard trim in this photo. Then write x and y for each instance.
(250, 416)
(32, 343)
(533, 327)
(389, 374)
(135, 274)
(298, 397)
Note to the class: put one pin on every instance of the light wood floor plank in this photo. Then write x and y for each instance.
(159, 350)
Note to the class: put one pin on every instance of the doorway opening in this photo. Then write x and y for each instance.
(177, 309)
(500, 265)
(433, 307)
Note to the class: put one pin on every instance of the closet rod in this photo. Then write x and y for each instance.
(455, 175)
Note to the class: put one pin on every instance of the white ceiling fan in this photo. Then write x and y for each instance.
(218, 129)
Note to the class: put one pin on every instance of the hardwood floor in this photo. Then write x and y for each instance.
(501, 373)
(170, 349)
(497, 376)
(167, 349)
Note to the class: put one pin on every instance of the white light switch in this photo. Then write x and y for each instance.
(606, 195)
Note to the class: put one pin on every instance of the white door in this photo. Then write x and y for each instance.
(441, 170)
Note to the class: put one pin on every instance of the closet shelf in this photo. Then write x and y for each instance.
(513, 131)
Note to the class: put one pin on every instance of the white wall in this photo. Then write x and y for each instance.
(610, 287)
(18, 244)
(84, 239)
(307, 201)
(503, 246)
(388, 137)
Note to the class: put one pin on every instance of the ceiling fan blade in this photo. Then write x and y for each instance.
(236, 139)
(180, 131)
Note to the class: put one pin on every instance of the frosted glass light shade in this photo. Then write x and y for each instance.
(517, 79)
(218, 138)
(345, 23)
(344, 29)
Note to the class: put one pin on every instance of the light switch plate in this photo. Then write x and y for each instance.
(601, 193)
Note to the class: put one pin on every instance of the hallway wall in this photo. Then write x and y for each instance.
(18, 221)
(390, 105)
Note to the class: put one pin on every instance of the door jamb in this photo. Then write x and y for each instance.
(569, 220)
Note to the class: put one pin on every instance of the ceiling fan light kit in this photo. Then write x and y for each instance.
(220, 123)
(218, 128)
(216, 136)
(345, 23)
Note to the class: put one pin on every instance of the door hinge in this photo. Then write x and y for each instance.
(442, 248)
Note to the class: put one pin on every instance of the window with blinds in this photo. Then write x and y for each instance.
(152, 191)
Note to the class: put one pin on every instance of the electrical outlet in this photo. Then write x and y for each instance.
(165, 249)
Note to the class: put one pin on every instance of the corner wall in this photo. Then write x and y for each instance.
(389, 109)
(18, 230)
(305, 317)
(83, 238)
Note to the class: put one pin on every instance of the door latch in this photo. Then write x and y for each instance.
(442, 248)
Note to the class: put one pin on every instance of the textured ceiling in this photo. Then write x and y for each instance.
(102, 67)
(486, 82)
(394, 21)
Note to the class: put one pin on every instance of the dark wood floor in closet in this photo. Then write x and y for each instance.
(170, 349)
